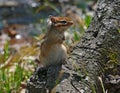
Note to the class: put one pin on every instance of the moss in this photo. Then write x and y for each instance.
(112, 62)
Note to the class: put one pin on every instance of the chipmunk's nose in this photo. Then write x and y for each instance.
(70, 22)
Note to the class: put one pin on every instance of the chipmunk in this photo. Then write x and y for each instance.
(52, 49)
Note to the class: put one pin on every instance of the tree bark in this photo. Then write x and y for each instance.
(96, 55)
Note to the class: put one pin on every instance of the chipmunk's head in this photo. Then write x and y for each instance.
(59, 23)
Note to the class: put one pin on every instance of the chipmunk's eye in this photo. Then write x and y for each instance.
(63, 22)
(54, 22)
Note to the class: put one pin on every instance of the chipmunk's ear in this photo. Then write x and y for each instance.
(52, 18)
(49, 22)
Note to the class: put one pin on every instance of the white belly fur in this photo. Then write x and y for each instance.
(58, 52)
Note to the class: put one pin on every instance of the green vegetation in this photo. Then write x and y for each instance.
(14, 69)
(6, 50)
(11, 81)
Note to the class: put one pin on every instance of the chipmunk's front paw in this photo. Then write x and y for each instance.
(64, 61)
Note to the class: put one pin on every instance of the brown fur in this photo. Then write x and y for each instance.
(52, 49)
